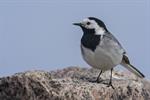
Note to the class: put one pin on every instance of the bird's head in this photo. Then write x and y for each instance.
(92, 25)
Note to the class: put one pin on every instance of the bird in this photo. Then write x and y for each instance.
(101, 49)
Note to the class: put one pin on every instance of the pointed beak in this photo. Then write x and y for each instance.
(77, 24)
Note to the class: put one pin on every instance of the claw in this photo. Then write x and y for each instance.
(110, 84)
(96, 81)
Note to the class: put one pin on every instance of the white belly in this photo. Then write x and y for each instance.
(101, 58)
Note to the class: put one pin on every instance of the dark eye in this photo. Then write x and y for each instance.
(88, 23)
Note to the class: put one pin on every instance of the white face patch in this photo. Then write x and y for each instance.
(100, 31)
(93, 25)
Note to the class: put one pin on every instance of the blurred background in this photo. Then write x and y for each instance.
(39, 35)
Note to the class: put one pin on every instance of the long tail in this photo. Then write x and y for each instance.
(132, 69)
(126, 64)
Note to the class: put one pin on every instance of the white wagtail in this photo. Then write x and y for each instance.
(101, 50)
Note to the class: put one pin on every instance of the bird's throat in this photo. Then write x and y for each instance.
(90, 41)
(88, 31)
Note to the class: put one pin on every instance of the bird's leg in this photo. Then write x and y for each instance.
(97, 80)
(110, 81)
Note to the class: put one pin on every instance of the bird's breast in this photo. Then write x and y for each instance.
(101, 58)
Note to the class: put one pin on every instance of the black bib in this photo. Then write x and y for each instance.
(90, 41)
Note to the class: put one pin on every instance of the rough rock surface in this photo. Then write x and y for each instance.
(72, 83)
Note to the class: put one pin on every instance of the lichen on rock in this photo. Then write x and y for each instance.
(72, 83)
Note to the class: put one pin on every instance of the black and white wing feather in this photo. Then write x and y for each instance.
(125, 60)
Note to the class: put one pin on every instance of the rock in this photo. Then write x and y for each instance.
(72, 83)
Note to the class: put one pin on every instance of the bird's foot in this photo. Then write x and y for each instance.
(97, 81)
(110, 85)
